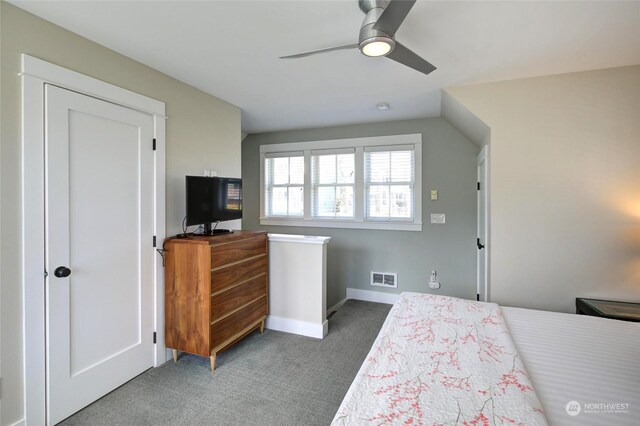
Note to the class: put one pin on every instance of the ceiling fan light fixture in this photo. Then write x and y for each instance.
(377, 35)
(377, 46)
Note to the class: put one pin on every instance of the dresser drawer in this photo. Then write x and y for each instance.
(235, 252)
(239, 272)
(228, 300)
(230, 327)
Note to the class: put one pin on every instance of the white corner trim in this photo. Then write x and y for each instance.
(372, 296)
(302, 239)
(293, 326)
(336, 306)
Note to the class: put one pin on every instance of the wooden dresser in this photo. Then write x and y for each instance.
(216, 291)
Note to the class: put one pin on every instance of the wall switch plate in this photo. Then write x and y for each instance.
(434, 194)
(437, 218)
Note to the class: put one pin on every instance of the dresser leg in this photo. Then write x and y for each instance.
(175, 355)
(262, 327)
(212, 359)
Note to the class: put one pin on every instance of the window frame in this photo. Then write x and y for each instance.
(315, 186)
(359, 221)
(390, 183)
(288, 185)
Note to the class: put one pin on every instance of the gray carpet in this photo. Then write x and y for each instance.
(273, 379)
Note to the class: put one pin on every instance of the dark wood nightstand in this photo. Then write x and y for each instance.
(624, 311)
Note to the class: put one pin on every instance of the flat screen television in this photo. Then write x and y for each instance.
(212, 200)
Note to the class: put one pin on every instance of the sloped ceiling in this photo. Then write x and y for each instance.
(230, 49)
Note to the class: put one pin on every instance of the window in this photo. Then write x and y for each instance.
(366, 183)
(284, 185)
(333, 178)
(389, 184)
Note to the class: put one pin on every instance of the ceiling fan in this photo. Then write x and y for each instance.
(382, 20)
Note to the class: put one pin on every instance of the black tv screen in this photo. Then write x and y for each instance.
(213, 199)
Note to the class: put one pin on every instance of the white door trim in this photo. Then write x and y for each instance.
(484, 156)
(67, 79)
(35, 73)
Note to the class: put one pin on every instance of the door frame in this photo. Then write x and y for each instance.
(35, 74)
(483, 156)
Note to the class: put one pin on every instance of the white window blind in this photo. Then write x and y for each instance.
(332, 183)
(359, 183)
(284, 185)
(389, 175)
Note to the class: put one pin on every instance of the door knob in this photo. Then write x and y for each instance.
(480, 246)
(62, 272)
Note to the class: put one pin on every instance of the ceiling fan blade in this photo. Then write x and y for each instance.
(313, 52)
(393, 15)
(406, 57)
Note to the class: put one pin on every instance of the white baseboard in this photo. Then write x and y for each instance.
(302, 328)
(336, 306)
(19, 423)
(372, 296)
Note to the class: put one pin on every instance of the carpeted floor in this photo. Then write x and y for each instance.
(273, 379)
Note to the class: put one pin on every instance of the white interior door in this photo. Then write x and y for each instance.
(99, 224)
(482, 225)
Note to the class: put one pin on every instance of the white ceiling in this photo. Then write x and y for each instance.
(230, 49)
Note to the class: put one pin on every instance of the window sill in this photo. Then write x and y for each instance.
(348, 224)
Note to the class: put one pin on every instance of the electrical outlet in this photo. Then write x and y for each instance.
(214, 173)
(437, 218)
(433, 281)
(206, 173)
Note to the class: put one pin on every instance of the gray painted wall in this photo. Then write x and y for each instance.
(449, 165)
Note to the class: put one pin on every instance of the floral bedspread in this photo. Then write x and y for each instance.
(442, 361)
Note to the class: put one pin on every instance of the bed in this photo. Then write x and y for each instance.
(580, 358)
(443, 360)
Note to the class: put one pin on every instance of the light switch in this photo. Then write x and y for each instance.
(437, 218)
(434, 194)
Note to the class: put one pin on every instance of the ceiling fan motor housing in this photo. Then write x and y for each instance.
(373, 9)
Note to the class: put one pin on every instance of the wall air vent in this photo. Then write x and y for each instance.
(384, 279)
